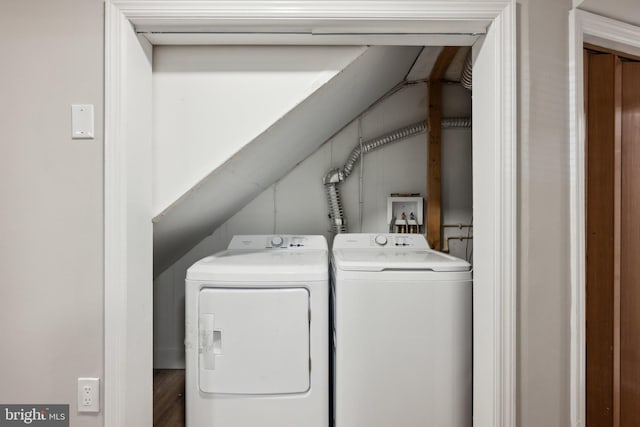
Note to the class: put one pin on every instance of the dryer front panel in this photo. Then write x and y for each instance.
(253, 341)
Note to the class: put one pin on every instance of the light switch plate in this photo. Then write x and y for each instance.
(82, 121)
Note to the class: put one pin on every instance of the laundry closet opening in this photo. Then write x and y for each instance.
(245, 139)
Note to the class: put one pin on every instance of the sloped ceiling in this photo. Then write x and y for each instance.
(210, 101)
(278, 150)
(421, 70)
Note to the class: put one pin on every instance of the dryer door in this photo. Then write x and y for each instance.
(253, 341)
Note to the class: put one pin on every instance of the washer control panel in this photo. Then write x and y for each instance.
(286, 242)
(381, 240)
(278, 241)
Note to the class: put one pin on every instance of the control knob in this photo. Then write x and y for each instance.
(276, 241)
(381, 240)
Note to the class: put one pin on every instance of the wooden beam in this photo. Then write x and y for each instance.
(442, 63)
(434, 181)
(434, 147)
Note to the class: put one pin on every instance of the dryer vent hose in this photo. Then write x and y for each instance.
(466, 78)
(336, 214)
(335, 176)
(372, 144)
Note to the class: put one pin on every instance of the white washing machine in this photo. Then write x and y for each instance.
(402, 325)
(257, 334)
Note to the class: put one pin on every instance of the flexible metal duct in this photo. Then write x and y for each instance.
(467, 72)
(370, 145)
(338, 225)
(336, 176)
(456, 122)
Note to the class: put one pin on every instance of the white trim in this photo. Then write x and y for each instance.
(311, 17)
(506, 222)
(192, 39)
(577, 220)
(583, 25)
(609, 29)
(115, 222)
(327, 15)
(296, 10)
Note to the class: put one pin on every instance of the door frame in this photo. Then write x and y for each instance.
(128, 214)
(584, 27)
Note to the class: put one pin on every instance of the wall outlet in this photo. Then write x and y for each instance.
(88, 394)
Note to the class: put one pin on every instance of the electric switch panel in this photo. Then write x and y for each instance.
(82, 121)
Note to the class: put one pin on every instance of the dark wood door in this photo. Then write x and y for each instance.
(601, 130)
(612, 105)
(630, 248)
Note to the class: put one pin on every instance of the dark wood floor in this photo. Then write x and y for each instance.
(168, 397)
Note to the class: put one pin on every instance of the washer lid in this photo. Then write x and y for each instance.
(262, 265)
(371, 259)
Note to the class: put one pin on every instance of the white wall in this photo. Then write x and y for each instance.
(456, 173)
(543, 214)
(198, 91)
(622, 10)
(51, 191)
(51, 187)
(297, 204)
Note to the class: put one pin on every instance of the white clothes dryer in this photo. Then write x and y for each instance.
(402, 325)
(257, 333)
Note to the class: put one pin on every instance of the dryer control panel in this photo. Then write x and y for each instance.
(389, 240)
(278, 241)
